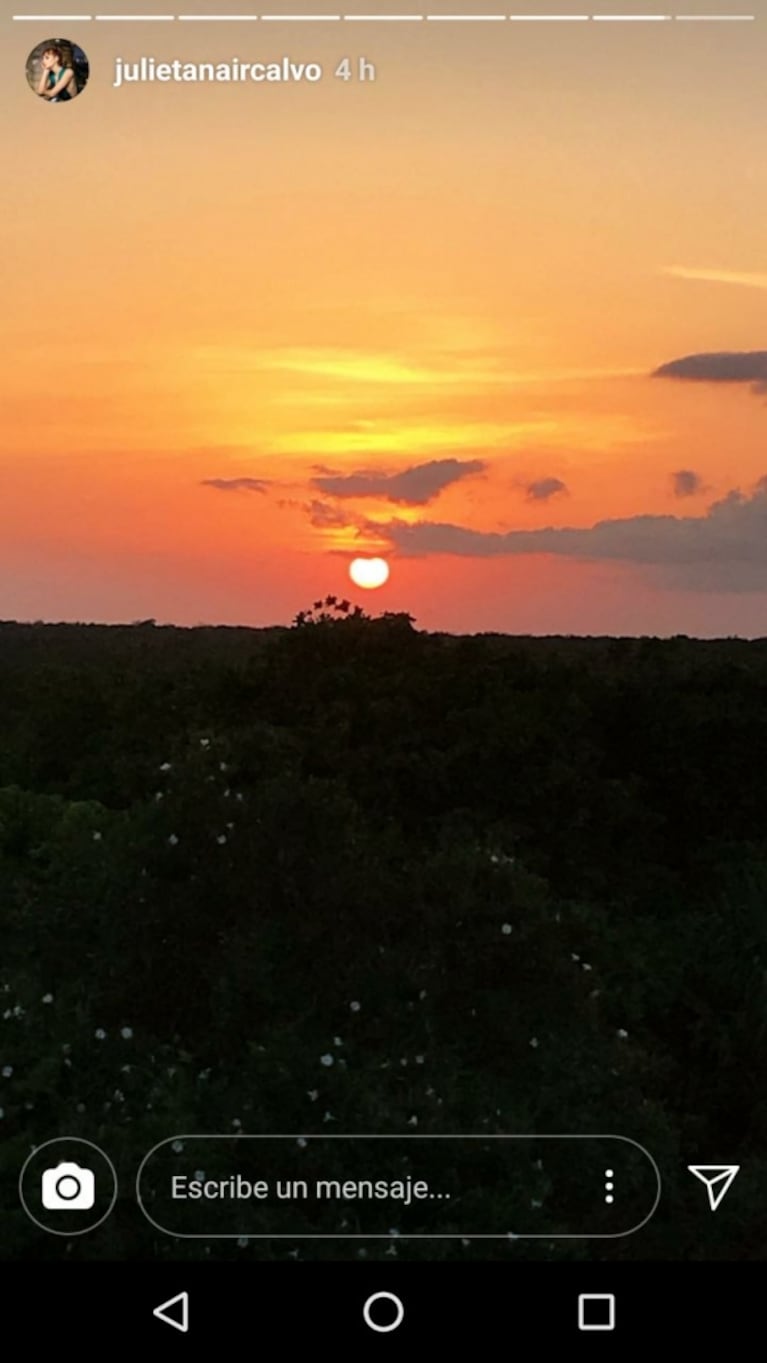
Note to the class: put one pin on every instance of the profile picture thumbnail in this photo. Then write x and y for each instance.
(57, 70)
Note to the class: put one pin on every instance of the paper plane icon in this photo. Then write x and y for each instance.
(717, 1178)
(179, 1321)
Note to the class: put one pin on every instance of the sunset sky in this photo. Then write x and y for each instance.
(253, 330)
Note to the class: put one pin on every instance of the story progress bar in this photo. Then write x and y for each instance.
(386, 18)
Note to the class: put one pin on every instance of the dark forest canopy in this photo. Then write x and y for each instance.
(538, 864)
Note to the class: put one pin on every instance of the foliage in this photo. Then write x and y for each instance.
(537, 866)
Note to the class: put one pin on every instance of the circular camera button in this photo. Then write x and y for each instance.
(68, 1186)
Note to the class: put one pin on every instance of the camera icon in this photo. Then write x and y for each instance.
(67, 1187)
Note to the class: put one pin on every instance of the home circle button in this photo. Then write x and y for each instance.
(383, 1312)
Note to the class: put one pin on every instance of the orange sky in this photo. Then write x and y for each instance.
(481, 257)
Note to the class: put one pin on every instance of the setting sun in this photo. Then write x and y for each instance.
(369, 572)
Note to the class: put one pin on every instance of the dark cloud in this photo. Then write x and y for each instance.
(412, 487)
(325, 516)
(544, 488)
(737, 366)
(726, 549)
(237, 484)
(687, 483)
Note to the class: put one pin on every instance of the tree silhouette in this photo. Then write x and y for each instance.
(330, 611)
(333, 611)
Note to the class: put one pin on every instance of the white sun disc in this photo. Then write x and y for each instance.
(369, 572)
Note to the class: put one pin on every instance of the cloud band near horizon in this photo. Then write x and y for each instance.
(731, 536)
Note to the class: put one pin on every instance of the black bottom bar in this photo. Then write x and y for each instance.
(574, 1306)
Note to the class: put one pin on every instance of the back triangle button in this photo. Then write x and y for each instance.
(174, 1312)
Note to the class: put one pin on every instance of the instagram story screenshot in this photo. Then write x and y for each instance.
(383, 674)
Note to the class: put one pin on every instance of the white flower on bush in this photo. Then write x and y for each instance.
(354, 1006)
(47, 998)
(100, 1034)
(507, 929)
(126, 1033)
(177, 1147)
(7, 1071)
(622, 1033)
(165, 766)
(327, 1060)
(173, 840)
(534, 1042)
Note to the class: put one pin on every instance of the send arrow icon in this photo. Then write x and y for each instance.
(717, 1178)
(179, 1321)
